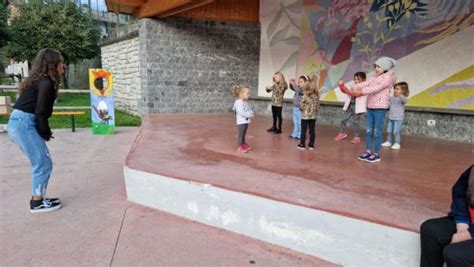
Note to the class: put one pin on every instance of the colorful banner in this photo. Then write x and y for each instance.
(102, 101)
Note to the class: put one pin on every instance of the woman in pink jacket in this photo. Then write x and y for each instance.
(377, 90)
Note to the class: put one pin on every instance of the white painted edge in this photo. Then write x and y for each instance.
(338, 239)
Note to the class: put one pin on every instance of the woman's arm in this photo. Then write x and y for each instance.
(44, 107)
(460, 210)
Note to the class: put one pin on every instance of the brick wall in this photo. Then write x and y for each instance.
(190, 65)
(449, 126)
(122, 57)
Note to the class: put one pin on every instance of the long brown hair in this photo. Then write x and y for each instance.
(311, 86)
(45, 64)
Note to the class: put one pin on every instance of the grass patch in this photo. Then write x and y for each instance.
(12, 95)
(84, 121)
(6, 81)
(73, 100)
(64, 99)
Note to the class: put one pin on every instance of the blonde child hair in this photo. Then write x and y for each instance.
(237, 89)
(404, 87)
(282, 77)
(311, 86)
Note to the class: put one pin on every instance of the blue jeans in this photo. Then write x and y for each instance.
(375, 119)
(22, 131)
(394, 127)
(296, 122)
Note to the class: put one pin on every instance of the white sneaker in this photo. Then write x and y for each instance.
(386, 144)
(396, 146)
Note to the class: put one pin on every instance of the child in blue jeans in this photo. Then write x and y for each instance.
(377, 90)
(298, 89)
(396, 114)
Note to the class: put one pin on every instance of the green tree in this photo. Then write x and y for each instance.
(63, 26)
(3, 24)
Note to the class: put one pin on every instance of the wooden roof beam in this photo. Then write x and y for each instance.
(194, 4)
(112, 5)
(156, 7)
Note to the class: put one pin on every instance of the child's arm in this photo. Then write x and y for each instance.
(299, 90)
(241, 111)
(293, 85)
(302, 103)
(270, 88)
(376, 85)
(346, 90)
(404, 99)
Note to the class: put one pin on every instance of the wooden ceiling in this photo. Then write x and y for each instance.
(227, 10)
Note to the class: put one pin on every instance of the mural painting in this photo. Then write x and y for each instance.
(431, 40)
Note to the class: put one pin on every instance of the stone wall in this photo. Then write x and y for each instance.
(449, 126)
(122, 57)
(191, 65)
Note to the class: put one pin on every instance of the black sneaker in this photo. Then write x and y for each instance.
(271, 129)
(278, 131)
(53, 200)
(373, 158)
(40, 206)
(301, 146)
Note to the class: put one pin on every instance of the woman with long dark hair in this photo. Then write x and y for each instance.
(450, 239)
(28, 126)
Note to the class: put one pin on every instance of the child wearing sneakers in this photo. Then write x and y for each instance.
(396, 114)
(298, 89)
(243, 114)
(309, 106)
(377, 90)
(353, 108)
(278, 89)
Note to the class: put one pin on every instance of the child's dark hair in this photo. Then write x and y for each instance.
(304, 78)
(404, 87)
(236, 89)
(361, 75)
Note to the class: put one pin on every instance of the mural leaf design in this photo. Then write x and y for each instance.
(446, 29)
(395, 10)
(291, 60)
(273, 25)
(279, 35)
(292, 40)
(296, 7)
(378, 5)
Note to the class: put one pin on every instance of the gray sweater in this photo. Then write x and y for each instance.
(297, 96)
(397, 107)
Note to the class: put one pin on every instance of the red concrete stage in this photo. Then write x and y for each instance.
(405, 188)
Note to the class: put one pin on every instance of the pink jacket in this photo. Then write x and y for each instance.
(360, 104)
(377, 90)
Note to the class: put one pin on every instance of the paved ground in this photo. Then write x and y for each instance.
(97, 226)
